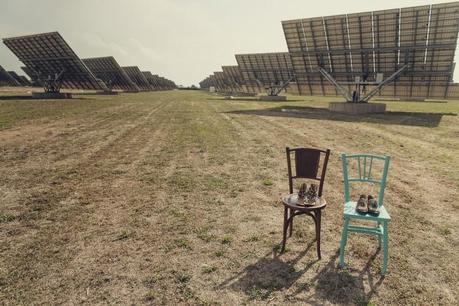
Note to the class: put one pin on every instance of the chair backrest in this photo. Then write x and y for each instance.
(307, 162)
(365, 173)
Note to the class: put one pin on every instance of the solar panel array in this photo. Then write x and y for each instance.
(49, 55)
(365, 47)
(110, 72)
(6, 79)
(49, 61)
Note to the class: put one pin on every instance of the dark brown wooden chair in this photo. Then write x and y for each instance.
(307, 163)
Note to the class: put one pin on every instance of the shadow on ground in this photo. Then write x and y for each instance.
(330, 283)
(398, 118)
(247, 99)
(20, 98)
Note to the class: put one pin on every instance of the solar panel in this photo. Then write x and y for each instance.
(6, 79)
(369, 45)
(52, 59)
(19, 79)
(152, 80)
(233, 75)
(110, 72)
(260, 70)
(137, 77)
(221, 84)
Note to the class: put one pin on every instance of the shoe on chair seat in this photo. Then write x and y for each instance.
(362, 205)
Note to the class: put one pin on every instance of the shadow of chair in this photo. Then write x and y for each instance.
(339, 286)
(270, 273)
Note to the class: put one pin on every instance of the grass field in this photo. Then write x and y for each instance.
(173, 198)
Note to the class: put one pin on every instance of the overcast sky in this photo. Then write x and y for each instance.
(183, 40)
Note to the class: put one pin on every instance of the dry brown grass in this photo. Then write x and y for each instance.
(173, 198)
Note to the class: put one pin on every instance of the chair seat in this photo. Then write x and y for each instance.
(350, 212)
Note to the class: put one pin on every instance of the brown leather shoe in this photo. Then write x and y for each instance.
(373, 207)
(362, 205)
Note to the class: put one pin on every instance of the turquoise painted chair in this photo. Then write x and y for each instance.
(364, 174)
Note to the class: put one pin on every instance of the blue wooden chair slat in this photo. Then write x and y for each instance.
(382, 220)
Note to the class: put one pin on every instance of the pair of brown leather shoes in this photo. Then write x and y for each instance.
(367, 205)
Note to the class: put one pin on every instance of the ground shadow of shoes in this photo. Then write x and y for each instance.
(399, 118)
(269, 274)
(342, 286)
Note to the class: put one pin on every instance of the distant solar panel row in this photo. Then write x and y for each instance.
(111, 73)
(6, 79)
(49, 59)
(362, 47)
(22, 80)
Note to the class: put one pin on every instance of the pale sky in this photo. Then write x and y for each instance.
(183, 40)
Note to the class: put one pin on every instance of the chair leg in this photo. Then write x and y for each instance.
(317, 219)
(291, 222)
(385, 248)
(284, 235)
(379, 236)
(343, 242)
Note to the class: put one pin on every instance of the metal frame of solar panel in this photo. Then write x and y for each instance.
(6, 79)
(234, 76)
(56, 64)
(262, 70)
(366, 44)
(110, 72)
(137, 77)
(18, 78)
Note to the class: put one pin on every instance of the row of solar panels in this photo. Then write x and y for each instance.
(47, 56)
(11, 78)
(356, 47)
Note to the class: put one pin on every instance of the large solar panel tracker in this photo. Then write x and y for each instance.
(110, 72)
(265, 69)
(6, 79)
(137, 77)
(52, 58)
(372, 45)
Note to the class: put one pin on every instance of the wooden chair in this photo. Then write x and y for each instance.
(307, 162)
(365, 174)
